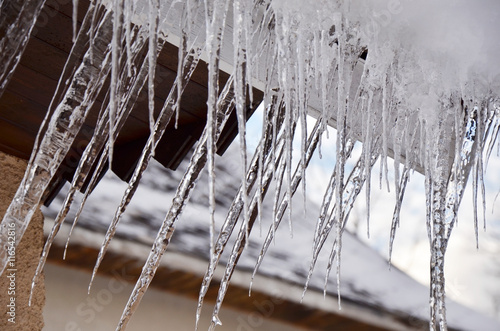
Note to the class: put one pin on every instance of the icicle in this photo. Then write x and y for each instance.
(248, 46)
(367, 156)
(325, 103)
(81, 171)
(127, 21)
(475, 176)
(240, 241)
(288, 163)
(17, 34)
(302, 110)
(237, 207)
(98, 141)
(187, 183)
(260, 152)
(233, 260)
(441, 212)
(240, 63)
(342, 99)
(397, 143)
(182, 54)
(224, 235)
(331, 258)
(60, 219)
(438, 317)
(62, 129)
(327, 199)
(351, 191)
(460, 172)
(495, 130)
(153, 22)
(161, 124)
(428, 194)
(235, 255)
(91, 152)
(325, 205)
(271, 103)
(215, 16)
(385, 133)
(287, 81)
(405, 176)
(92, 31)
(115, 62)
(311, 146)
(62, 214)
(75, 19)
(267, 147)
(397, 209)
(322, 228)
(482, 134)
(281, 166)
(352, 188)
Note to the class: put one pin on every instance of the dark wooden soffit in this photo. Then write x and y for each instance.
(26, 99)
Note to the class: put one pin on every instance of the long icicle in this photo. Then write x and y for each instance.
(397, 209)
(461, 171)
(440, 171)
(240, 64)
(88, 158)
(230, 224)
(62, 130)
(153, 28)
(237, 205)
(215, 16)
(98, 140)
(351, 190)
(325, 222)
(17, 34)
(280, 211)
(186, 185)
(354, 183)
(240, 242)
(126, 106)
(147, 153)
(115, 95)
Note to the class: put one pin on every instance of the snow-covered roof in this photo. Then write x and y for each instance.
(370, 290)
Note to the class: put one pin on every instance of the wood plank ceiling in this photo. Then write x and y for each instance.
(27, 97)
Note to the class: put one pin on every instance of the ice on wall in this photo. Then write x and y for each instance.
(416, 82)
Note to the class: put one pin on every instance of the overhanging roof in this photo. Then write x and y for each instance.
(28, 95)
(183, 274)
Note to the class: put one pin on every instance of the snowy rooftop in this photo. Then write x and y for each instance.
(370, 289)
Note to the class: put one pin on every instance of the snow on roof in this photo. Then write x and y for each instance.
(365, 276)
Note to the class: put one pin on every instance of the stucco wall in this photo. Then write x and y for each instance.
(159, 310)
(15, 282)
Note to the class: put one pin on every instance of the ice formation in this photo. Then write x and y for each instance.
(416, 82)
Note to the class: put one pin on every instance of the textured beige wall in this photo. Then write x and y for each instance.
(26, 259)
(70, 308)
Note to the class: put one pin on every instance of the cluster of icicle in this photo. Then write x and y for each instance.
(307, 59)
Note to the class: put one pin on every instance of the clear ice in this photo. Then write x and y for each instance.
(428, 105)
